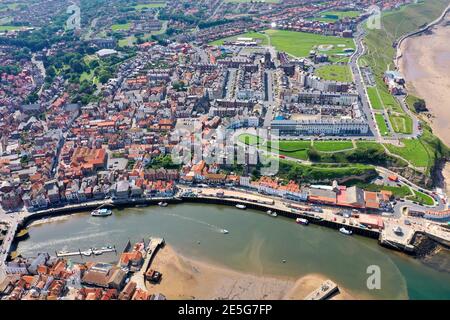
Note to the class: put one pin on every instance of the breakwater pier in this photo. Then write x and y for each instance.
(86, 253)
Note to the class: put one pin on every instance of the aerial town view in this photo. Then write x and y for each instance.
(224, 150)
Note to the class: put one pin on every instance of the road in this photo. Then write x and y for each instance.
(270, 103)
(40, 66)
(359, 83)
(361, 88)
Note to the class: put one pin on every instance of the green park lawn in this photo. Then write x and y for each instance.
(382, 126)
(401, 123)
(332, 146)
(369, 145)
(335, 72)
(400, 192)
(249, 139)
(388, 100)
(413, 150)
(287, 145)
(422, 198)
(372, 92)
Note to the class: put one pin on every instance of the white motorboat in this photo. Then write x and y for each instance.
(271, 213)
(345, 231)
(302, 221)
(101, 212)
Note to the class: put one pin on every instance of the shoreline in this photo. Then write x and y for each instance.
(59, 213)
(188, 278)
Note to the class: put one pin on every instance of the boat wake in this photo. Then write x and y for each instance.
(209, 225)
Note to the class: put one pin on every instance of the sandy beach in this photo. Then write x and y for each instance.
(185, 278)
(425, 64)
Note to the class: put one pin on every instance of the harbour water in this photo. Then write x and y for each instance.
(257, 243)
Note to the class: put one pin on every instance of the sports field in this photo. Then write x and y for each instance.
(335, 72)
(119, 27)
(254, 35)
(149, 5)
(9, 28)
(299, 44)
(332, 16)
(244, 1)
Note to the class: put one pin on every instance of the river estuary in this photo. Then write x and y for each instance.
(257, 243)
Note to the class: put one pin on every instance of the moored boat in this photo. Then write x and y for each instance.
(272, 213)
(241, 206)
(224, 231)
(163, 204)
(345, 231)
(302, 221)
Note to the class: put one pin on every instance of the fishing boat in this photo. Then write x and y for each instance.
(302, 221)
(241, 206)
(101, 212)
(163, 204)
(345, 231)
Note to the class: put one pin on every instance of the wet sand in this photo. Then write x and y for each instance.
(184, 278)
(425, 65)
(49, 220)
(446, 175)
